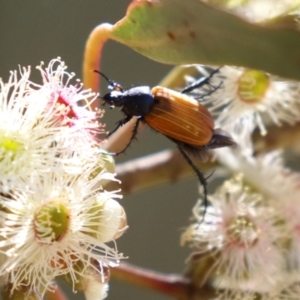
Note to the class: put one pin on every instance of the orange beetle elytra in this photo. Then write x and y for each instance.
(180, 117)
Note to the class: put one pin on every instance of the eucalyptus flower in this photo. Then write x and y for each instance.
(245, 99)
(55, 216)
(69, 103)
(239, 238)
(28, 142)
(60, 222)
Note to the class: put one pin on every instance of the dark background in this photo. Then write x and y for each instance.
(40, 30)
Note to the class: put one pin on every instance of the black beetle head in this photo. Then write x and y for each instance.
(136, 101)
(114, 98)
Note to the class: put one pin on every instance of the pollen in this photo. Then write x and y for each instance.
(242, 232)
(253, 86)
(51, 222)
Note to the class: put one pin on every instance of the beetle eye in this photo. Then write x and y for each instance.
(118, 88)
(115, 87)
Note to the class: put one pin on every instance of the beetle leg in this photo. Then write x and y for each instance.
(120, 124)
(214, 88)
(134, 133)
(200, 96)
(199, 175)
(200, 82)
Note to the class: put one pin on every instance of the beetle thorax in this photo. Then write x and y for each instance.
(137, 101)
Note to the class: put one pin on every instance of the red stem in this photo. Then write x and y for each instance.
(172, 285)
(56, 295)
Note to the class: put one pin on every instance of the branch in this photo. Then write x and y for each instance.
(169, 167)
(285, 136)
(154, 170)
(172, 285)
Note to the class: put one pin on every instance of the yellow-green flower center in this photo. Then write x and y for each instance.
(52, 222)
(253, 86)
(9, 147)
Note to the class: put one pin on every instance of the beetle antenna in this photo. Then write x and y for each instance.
(202, 179)
(112, 84)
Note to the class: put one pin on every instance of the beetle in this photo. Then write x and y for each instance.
(181, 118)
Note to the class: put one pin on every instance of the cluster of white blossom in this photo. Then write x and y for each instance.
(248, 245)
(55, 216)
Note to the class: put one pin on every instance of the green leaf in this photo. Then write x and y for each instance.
(190, 31)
